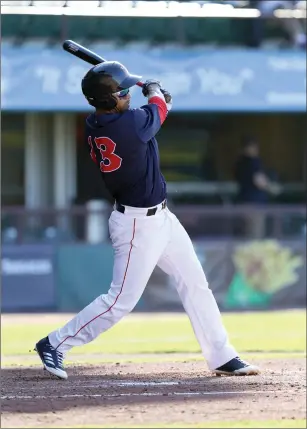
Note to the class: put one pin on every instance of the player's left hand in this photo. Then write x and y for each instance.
(151, 85)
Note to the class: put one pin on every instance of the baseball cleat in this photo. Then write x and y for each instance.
(237, 366)
(52, 359)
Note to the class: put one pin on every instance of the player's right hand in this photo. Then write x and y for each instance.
(167, 96)
(168, 99)
(151, 85)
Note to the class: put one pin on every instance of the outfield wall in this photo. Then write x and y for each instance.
(243, 276)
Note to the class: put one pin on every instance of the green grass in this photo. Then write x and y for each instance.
(269, 332)
(239, 424)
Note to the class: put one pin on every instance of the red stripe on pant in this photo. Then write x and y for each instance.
(121, 289)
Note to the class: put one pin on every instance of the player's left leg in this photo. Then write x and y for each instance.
(180, 261)
(138, 242)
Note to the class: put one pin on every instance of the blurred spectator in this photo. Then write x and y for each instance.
(255, 186)
(295, 28)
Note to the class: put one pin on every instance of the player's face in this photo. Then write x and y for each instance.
(123, 100)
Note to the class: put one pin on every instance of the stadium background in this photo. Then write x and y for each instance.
(231, 73)
(234, 68)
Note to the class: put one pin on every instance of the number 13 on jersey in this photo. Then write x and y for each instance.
(109, 160)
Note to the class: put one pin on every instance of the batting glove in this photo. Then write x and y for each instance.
(151, 86)
(168, 99)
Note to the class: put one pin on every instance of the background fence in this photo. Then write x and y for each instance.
(90, 223)
(60, 260)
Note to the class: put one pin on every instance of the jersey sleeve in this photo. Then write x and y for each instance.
(149, 118)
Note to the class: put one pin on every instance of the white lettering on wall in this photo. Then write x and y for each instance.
(20, 267)
(50, 77)
(220, 83)
(287, 63)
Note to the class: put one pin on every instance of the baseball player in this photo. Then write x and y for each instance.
(143, 231)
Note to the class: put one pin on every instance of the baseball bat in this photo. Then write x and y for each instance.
(85, 54)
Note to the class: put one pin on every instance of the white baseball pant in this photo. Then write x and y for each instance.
(140, 243)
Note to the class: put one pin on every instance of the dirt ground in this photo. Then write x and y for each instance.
(166, 392)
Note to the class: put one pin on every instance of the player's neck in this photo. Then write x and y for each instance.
(107, 112)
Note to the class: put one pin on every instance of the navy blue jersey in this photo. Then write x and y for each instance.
(124, 147)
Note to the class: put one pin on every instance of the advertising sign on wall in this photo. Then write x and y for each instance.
(28, 278)
(261, 275)
(251, 275)
(198, 78)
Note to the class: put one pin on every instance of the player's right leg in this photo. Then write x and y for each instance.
(180, 261)
(138, 243)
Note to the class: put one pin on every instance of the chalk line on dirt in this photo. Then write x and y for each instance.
(115, 395)
(107, 384)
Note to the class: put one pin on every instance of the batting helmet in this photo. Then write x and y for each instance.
(105, 79)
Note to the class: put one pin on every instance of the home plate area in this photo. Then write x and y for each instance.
(149, 393)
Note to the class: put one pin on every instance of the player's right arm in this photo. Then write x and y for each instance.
(149, 118)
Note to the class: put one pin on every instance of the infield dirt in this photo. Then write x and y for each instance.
(150, 393)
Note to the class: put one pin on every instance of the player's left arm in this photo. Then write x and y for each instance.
(156, 95)
(149, 118)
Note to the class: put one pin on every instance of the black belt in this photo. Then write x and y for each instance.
(150, 212)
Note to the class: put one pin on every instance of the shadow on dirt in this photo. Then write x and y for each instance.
(32, 390)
